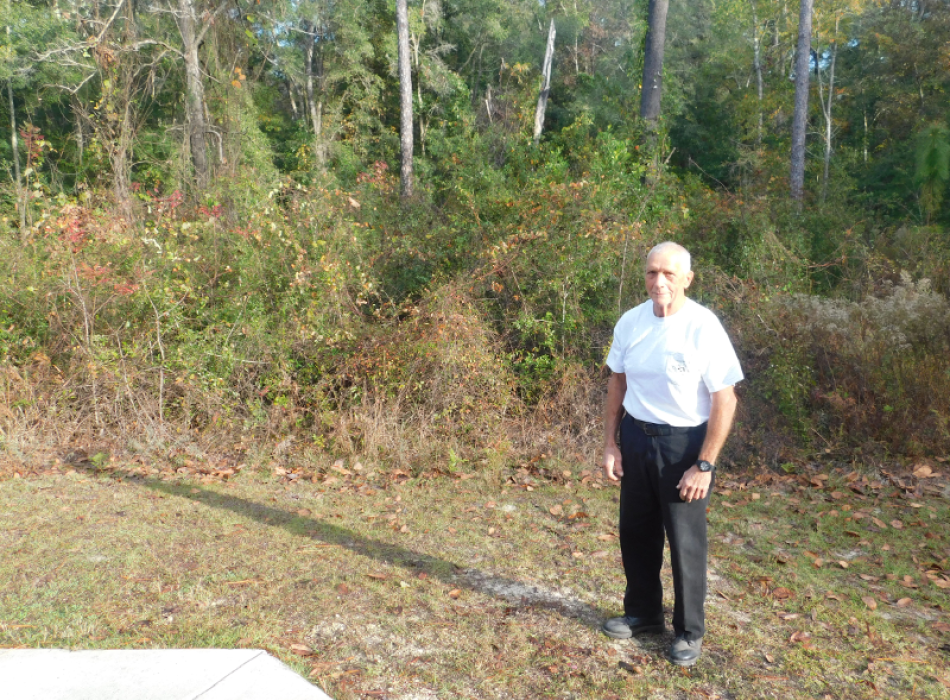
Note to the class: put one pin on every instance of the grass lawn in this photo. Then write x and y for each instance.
(830, 583)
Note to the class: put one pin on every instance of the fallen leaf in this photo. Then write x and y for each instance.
(897, 524)
(630, 668)
(818, 563)
(833, 596)
(923, 471)
(788, 616)
(799, 637)
(769, 658)
(879, 523)
(343, 589)
(578, 514)
(942, 583)
(378, 577)
(843, 564)
(404, 528)
(455, 593)
(303, 513)
(870, 602)
(556, 510)
(903, 602)
(782, 593)
(606, 538)
(301, 650)
(941, 627)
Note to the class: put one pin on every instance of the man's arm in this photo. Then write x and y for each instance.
(616, 389)
(695, 484)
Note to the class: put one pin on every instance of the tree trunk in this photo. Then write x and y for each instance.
(826, 107)
(653, 63)
(757, 60)
(14, 143)
(652, 89)
(194, 94)
(315, 109)
(800, 118)
(80, 141)
(545, 86)
(405, 94)
(292, 94)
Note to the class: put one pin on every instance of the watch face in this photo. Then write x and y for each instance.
(705, 466)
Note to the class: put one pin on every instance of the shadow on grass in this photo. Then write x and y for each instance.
(451, 573)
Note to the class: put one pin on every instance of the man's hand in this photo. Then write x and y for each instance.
(613, 464)
(694, 485)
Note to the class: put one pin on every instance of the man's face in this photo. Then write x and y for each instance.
(666, 282)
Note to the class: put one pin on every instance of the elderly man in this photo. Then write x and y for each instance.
(671, 396)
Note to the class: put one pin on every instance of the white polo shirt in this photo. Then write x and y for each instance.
(672, 363)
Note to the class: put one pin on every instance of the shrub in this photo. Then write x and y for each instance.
(880, 364)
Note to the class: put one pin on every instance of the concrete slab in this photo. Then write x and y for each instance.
(150, 674)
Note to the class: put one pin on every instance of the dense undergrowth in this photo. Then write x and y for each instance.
(466, 327)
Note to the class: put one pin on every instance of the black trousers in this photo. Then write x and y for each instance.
(650, 505)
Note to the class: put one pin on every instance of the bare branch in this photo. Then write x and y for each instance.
(77, 88)
(108, 23)
(210, 21)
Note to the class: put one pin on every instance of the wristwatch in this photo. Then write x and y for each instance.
(705, 466)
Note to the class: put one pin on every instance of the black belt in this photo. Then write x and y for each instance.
(660, 429)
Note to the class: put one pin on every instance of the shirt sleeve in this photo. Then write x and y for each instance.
(615, 356)
(723, 369)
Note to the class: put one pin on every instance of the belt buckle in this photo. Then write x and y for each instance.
(650, 430)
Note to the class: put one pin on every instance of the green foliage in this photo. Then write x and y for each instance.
(298, 290)
(933, 166)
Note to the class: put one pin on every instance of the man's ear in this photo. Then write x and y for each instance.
(689, 279)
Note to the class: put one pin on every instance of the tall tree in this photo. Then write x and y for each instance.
(757, 65)
(652, 89)
(313, 48)
(800, 115)
(193, 31)
(545, 86)
(405, 97)
(827, 104)
(15, 147)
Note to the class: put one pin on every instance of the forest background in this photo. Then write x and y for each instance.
(204, 250)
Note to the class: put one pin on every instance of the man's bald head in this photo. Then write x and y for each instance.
(673, 250)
